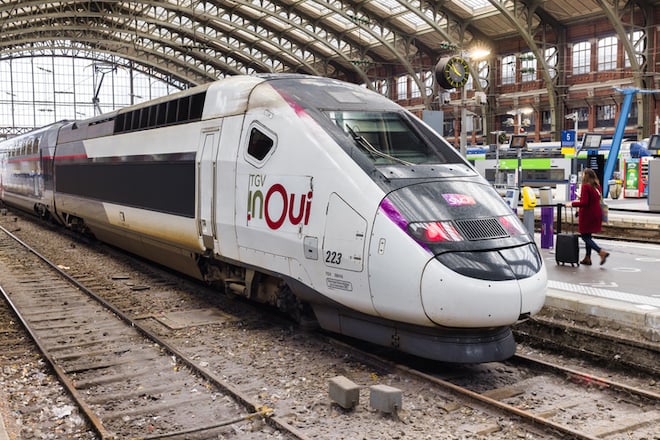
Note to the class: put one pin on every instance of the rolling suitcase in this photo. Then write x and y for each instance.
(567, 248)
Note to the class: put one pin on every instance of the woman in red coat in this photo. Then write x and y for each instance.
(590, 215)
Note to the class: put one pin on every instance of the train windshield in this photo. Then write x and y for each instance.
(387, 137)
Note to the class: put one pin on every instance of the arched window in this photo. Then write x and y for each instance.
(414, 88)
(581, 58)
(509, 69)
(42, 89)
(607, 54)
(402, 87)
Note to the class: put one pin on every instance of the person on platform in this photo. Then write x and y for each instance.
(589, 214)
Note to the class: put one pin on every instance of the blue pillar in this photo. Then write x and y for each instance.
(618, 134)
(618, 137)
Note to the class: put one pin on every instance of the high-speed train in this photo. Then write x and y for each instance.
(310, 194)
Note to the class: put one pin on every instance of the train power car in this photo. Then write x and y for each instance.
(306, 193)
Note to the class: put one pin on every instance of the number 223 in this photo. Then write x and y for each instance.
(333, 257)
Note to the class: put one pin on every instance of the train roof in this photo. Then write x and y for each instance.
(226, 97)
(36, 132)
(327, 93)
(231, 96)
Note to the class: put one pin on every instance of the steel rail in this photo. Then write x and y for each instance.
(256, 410)
(618, 386)
(526, 415)
(96, 423)
(530, 417)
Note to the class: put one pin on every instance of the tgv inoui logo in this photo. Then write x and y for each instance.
(276, 202)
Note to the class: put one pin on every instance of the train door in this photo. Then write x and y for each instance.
(206, 179)
(344, 238)
(273, 202)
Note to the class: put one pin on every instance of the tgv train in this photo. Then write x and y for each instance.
(310, 194)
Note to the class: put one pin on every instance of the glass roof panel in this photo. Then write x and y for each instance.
(393, 5)
(475, 6)
(414, 20)
(342, 20)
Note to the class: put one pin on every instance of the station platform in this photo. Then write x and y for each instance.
(626, 289)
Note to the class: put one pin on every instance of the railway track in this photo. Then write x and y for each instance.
(564, 335)
(288, 370)
(126, 380)
(550, 400)
(578, 404)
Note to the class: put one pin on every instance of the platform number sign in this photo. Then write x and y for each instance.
(568, 138)
(568, 142)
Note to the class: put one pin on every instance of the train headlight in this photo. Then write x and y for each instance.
(447, 231)
(512, 225)
(434, 232)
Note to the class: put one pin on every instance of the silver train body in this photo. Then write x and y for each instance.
(307, 193)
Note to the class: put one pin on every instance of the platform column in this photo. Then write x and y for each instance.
(547, 218)
(547, 227)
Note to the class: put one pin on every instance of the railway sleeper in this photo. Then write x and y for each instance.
(168, 403)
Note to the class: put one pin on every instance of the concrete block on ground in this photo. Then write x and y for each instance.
(385, 398)
(344, 392)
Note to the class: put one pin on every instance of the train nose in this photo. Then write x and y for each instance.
(483, 289)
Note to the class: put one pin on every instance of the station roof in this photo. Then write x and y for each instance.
(196, 41)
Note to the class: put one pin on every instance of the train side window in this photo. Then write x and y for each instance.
(260, 145)
(197, 106)
(144, 117)
(135, 120)
(162, 113)
(184, 109)
(176, 111)
(153, 114)
(120, 120)
(172, 111)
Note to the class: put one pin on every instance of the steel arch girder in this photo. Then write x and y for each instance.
(522, 29)
(176, 70)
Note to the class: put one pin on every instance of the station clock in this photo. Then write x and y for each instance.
(452, 72)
